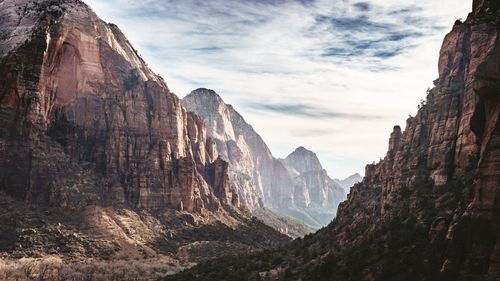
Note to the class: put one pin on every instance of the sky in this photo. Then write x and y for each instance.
(333, 76)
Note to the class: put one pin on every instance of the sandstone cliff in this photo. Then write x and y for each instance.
(314, 190)
(81, 111)
(103, 174)
(297, 186)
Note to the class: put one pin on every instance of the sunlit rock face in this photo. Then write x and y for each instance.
(81, 110)
(297, 186)
(259, 178)
(311, 182)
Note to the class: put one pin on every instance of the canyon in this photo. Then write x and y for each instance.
(101, 164)
(429, 209)
(98, 158)
(106, 174)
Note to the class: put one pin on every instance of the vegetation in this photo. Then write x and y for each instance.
(132, 80)
(405, 242)
(55, 269)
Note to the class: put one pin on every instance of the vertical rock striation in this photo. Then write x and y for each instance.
(297, 186)
(312, 185)
(259, 177)
(442, 173)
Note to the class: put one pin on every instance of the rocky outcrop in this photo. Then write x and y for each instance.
(451, 147)
(312, 185)
(80, 110)
(441, 176)
(223, 189)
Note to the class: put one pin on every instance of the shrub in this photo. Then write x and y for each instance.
(132, 80)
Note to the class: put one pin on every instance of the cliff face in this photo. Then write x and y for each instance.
(259, 178)
(312, 185)
(445, 164)
(297, 186)
(430, 209)
(80, 110)
(440, 178)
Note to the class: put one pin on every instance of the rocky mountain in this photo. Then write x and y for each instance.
(76, 90)
(348, 182)
(314, 191)
(285, 186)
(101, 156)
(429, 210)
(260, 179)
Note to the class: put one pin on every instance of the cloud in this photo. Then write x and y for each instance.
(313, 132)
(304, 110)
(372, 32)
(362, 6)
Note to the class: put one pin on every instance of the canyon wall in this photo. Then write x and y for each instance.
(261, 179)
(81, 111)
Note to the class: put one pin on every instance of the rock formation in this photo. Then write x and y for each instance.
(348, 182)
(100, 161)
(313, 188)
(81, 111)
(261, 180)
(430, 209)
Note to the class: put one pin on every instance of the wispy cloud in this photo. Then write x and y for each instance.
(292, 66)
(313, 132)
(305, 110)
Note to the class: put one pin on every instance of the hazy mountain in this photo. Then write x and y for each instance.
(262, 180)
(314, 191)
(348, 182)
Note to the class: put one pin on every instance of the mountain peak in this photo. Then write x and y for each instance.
(303, 151)
(205, 92)
(303, 160)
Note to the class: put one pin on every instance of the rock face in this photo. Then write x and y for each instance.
(297, 186)
(443, 171)
(259, 178)
(81, 111)
(430, 209)
(312, 185)
(348, 182)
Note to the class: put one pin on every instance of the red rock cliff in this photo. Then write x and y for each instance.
(75, 91)
(452, 141)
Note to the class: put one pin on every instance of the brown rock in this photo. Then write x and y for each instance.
(75, 90)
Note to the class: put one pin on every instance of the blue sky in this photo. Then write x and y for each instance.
(334, 76)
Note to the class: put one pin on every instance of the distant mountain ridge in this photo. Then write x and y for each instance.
(348, 182)
(261, 179)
